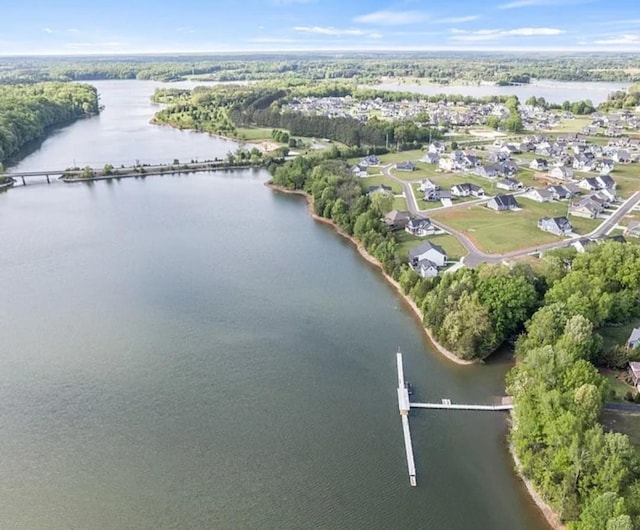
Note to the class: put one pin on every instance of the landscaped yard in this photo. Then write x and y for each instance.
(613, 335)
(496, 232)
(400, 204)
(381, 179)
(393, 158)
(450, 244)
(625, 423)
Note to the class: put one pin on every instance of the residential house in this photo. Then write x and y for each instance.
(539, 195)
(465, 190)
(510, 149)
(397, 220)
(560, 193)
(501, 203)
(359, 171)
(437, 147)
(606, 182)
(605, 165)
(381, 188)
(634, 339)
(436, 195)
(589, 184)
(559, 226)
(491, 171)
(420, 227)
(428, 251)
(587, 208)
(448, 164)
(581, 244)
(426, 268)
(509, 184)
(428, 184)
(431, 158)
(562, 173)
(622, 156)
(407, 165)
(539, 164)
(370, 160)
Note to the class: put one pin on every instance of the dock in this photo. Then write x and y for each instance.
(405, 405)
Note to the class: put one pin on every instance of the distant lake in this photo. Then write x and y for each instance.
(197, 352)
(552, 91)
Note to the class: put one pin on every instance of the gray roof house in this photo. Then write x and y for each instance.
(427, 269)
(559, 226)
(407, 165)
(429, 251)
(501, 203)
(379, 189)
(397, 219)
(465, 190)
(420, 227)
(539, 195)
(509, 184)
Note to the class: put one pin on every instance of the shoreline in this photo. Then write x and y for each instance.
(371, 259)
(547, 512)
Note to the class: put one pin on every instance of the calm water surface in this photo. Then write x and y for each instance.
(552, 91)
(196, 352)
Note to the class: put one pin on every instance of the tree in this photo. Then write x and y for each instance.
(107, 169)
(600, 511)
(382, 203)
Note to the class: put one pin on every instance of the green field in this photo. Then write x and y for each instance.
(400, 204)
(392, 158)
(497, 232)
(254, 133)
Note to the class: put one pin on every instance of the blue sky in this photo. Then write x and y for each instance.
(146, 26)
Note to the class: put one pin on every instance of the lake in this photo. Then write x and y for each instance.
(551, 91)
(197, 352)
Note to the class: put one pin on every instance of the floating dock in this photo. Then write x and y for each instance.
(404, 405)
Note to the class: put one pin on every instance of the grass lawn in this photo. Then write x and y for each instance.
(613, 335)
(496, 232)
(381, 179)
(400, 204)
(627, 178)
(254, 133)
(392, 158)
(625, 423)
(450, 244)
(619, 382)
(572, 125)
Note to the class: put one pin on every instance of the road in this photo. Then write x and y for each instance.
(475, 256)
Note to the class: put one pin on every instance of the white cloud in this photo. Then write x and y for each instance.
(330, 30)
(457, 20)
(391, 18)
(622, 39)
(532, 3)
(494, 34)
(47, 30)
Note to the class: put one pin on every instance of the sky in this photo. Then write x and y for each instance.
(72, 27)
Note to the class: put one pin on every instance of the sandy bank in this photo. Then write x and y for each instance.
(371, 259)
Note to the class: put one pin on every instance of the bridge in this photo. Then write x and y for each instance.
(405, 405)
(79, 174)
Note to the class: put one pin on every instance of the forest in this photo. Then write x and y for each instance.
(26, 111)
(435, 67)
(222, 109)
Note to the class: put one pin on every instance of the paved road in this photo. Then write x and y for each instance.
(475, 256)
(624, 407)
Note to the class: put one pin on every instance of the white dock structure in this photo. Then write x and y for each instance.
(404, 405)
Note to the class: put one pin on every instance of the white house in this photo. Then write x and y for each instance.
(428, 251)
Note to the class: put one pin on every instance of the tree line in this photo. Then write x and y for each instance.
(26, 111)
(436, 67)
